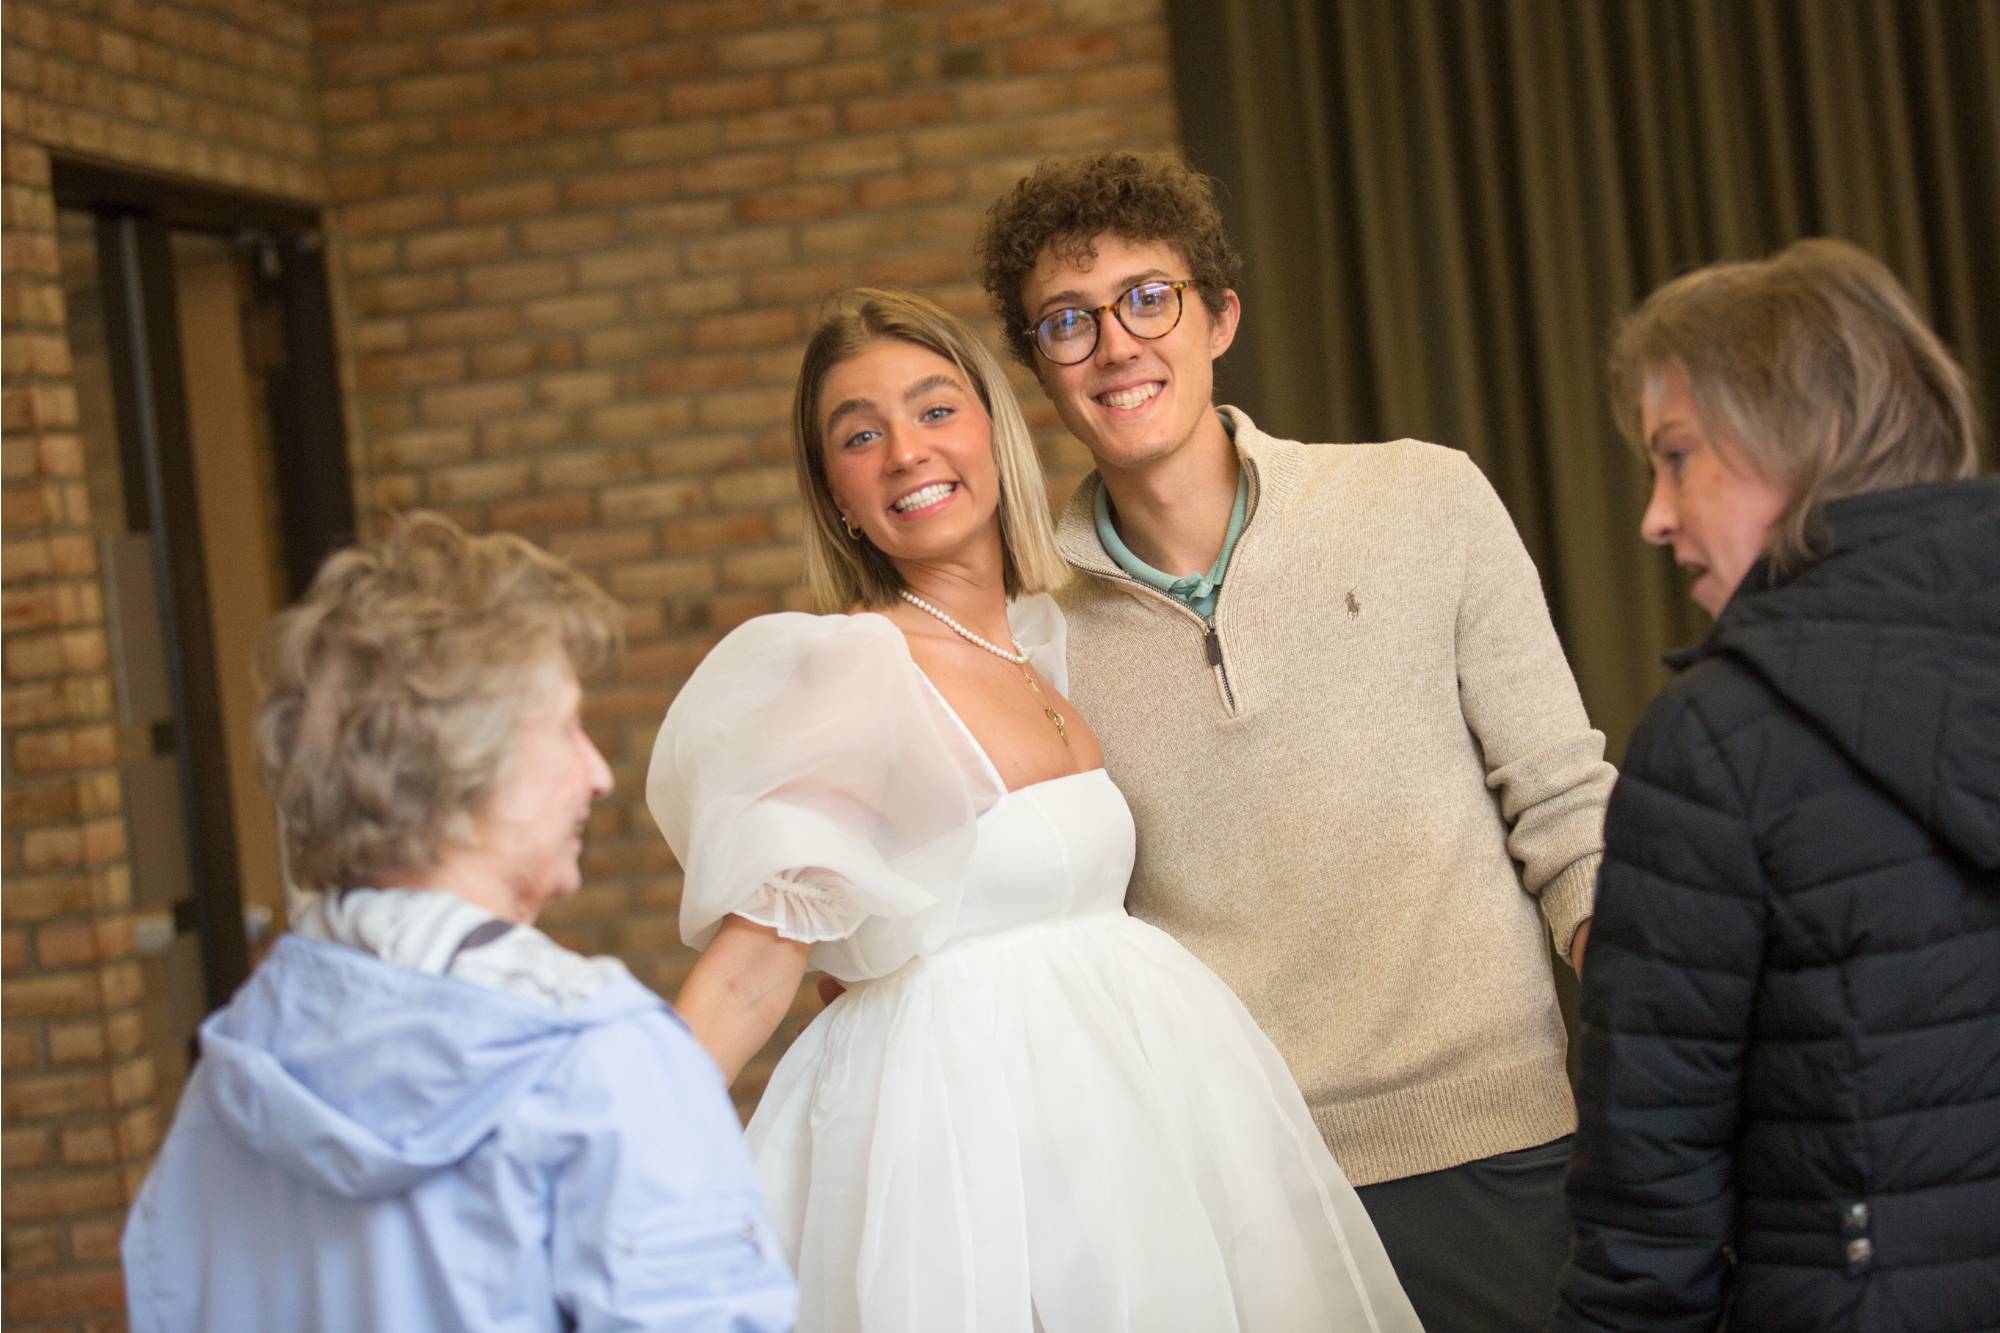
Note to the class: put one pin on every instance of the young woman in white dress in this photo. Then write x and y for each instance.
(1028, 1111)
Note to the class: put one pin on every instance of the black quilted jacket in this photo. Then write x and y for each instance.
(1790, 1047)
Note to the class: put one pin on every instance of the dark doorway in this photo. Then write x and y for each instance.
(202, 337)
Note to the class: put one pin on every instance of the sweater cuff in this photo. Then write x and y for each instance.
(1569, 899)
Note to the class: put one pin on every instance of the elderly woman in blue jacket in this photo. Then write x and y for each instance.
(420, 1111)
(1790, 1053)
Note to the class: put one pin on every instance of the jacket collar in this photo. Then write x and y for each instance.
(1846, 526)
(1273, 470)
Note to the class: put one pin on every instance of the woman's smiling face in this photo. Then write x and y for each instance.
(908, 450)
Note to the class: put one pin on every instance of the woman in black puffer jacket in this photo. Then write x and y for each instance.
(1790, 1096)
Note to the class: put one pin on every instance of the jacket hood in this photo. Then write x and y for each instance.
(1890, 645)
(363, 1078)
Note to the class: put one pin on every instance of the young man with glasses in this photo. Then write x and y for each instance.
(1365, 788)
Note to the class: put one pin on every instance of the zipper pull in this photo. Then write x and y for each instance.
(1213, 645)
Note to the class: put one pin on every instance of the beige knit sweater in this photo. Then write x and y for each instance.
(1361, 817)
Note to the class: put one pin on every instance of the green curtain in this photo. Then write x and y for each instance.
(1445, 204)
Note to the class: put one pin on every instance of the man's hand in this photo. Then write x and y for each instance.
(1576, 943)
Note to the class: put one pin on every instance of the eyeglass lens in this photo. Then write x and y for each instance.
(1149, 310)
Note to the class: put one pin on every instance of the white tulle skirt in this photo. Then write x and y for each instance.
(1071, 1127)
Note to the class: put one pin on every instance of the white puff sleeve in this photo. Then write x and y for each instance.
(809, 778)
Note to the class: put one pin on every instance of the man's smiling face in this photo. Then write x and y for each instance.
(1132, 401)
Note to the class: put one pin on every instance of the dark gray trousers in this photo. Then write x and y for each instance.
(1479, 1247)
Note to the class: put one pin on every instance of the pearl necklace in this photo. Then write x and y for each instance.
(1017, 657)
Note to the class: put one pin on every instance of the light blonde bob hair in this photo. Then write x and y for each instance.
(395, 689)
(842, 571)
(1816, 366)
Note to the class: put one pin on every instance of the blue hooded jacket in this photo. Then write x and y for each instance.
(365, 1146)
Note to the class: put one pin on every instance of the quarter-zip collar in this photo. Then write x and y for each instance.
(1269, 471)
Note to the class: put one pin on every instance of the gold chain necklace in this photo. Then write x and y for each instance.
(1017, 658)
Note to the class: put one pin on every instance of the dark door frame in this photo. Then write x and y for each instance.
(136, 216)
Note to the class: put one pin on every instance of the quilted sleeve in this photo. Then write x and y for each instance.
(1665, 1023)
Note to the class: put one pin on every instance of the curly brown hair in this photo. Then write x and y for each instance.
(1068, 202)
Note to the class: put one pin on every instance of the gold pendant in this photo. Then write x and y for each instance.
(1056, 718)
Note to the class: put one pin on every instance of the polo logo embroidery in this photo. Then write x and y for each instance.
(1353, 605)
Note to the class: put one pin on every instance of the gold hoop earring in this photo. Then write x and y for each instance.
(853, 533)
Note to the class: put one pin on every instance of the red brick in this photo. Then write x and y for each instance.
(918, 268)
(594, 467)
(906, 189)
(687, 296)
(775, 567)
(441, 366)
(47, 1295)
(500, 124)
(665, 64)
(754, 487)
(95, 1242)
(605, 111)
(606, 545)
(779, 46)
(603, 32)
(640, 419)
(489, 46)
(430, 94)
(392, 215)
(372, 64)
(505, 201)
(24, 1150)
(460, 245)
(794, 203)
(538, 80)
(826, 82)
(710, 97)
(516, 279)
(710, 15)
(1068, 50)
(32, 1248)
(544, 513)
(478, 481)
(871, 115)
(747, 329)
(985, 23)
(574, 312)
(404, 293)
(446, 170)
(423, 16)
(779, 125)
(381, 137)
(634, 185)
(536, 432)
(473, 402)
(52, 994)
(718, 532)
(568, 233)
(339, 106)
(423, 448)
(850, 157)
(89, 1145)
(468, 324)
(660, 578)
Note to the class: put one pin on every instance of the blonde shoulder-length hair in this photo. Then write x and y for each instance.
(1816, 365)
(842, 571)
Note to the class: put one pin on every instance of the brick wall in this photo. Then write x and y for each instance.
(210, 92)
(576, 243)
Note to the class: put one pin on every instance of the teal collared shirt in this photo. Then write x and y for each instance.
(1196, 590)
